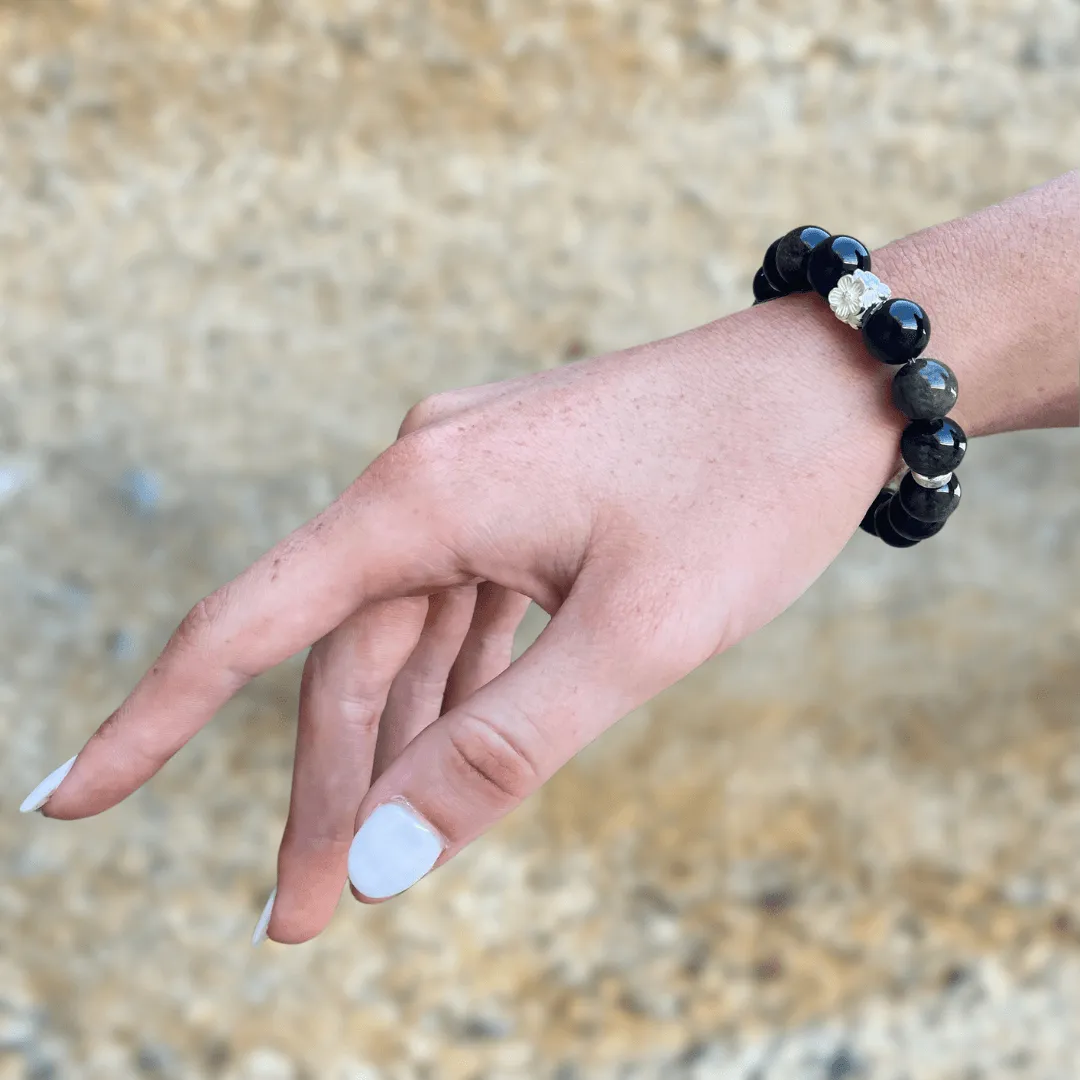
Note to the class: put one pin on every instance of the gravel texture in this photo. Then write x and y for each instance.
(239, 240)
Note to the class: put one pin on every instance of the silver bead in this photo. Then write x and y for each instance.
(893, 483)
(931, 481)
(856, 295)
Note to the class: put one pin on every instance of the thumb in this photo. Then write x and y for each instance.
(484, 757)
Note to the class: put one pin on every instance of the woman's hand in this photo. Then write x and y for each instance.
(660, 503)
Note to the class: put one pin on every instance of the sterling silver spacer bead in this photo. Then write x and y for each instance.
(931, 481)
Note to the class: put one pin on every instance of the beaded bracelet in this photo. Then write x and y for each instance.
(916, 504)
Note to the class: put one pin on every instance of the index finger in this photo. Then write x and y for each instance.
(368, 545)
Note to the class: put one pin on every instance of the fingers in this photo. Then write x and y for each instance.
(342, 694)
(484, 757)
(489, 644)
(416, 697)
(389, 535)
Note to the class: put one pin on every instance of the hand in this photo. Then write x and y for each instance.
(660, 503)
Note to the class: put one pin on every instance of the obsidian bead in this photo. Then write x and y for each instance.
(924, 389)
(867, 523)
(792, 252)
(897, 331)
(763, 290)
(771, 271)
(929, 504)
(832, 259)
(909, 527)
(933, 447)
(884, 528)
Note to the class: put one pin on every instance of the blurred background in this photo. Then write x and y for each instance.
(239, 238)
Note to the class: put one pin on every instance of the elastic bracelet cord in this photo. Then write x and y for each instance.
(917, 503)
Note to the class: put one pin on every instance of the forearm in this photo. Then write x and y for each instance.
(1002, 287)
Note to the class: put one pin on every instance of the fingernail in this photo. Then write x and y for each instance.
(259, 936)
(394, 849)
(40, 795)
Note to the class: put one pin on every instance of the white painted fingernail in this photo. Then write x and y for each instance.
(394, 849)
(259, 936)
(40, 795)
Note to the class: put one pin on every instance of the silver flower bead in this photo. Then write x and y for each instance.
(855, 295)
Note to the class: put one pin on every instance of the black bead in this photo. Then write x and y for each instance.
(897, 331)
(929, 504)
(763, 290)
(924, 389)
(933, 447)
(910, 527)
(867, 523)
(771, 272)
(793, 251)
(884, 528)
(832, 259)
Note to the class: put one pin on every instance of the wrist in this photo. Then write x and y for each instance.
(819, 360)
(1002, 288)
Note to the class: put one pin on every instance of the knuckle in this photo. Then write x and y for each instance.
(425, 412)
(198, 628)
(360, 709)
(420, 685)
(421, 458)
(321, 834)
(340, 698)
(486, 757)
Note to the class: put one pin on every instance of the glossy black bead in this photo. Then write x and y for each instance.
(924, 389)
(867, 523)
(909, 527)
(929, 504)
(897, 331)
(770, 270)
(884, 528)
(763, 290)
(832, 259)
(933, 447)
(792, 252)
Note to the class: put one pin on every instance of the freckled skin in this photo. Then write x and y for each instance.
(660, 504)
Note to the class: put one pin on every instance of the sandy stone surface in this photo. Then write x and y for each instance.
(239, 240)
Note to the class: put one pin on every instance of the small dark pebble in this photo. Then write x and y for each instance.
(698, 959)
(152, 1060)
(842, 1066)
(349, 36)
(769, 969)
(776, 901)
(482, 1028)
(575, 349)
(693, 1054)
(955, 976)
(121, 645)
(653, 900)
(1030, 55)
(1065, 924)
(218, 1053)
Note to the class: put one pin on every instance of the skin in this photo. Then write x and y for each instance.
(660, 504)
